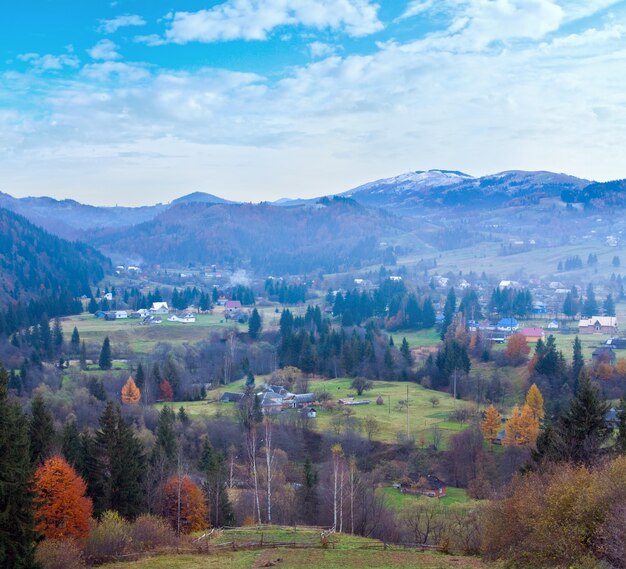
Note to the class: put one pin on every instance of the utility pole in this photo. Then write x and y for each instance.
(407, 411)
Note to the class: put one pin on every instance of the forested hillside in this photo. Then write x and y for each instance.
(328, 236)
(42, 273)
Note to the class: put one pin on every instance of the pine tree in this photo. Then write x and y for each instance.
(41, 431)
(448, 312)
(75, 341)
(105, 362)
(17, 535)
(255, 324)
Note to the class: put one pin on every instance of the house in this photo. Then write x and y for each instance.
(508, 284)
(152, 320)
(231, 397)
(184, 318)
(499, 440)
(554, 325)
(508, 325)
(311, 413)
(617, 343)
(423, 485)
(604, 354)
(270, 402)
(351, 401)
(533, 334)
(301, 400)
(598, 325)
(108, 296)
(159, 308)
(232, 306)
(116, 315)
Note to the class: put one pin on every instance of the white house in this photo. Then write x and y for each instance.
(184, 318)
(159, 308)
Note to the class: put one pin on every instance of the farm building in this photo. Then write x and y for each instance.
(598, 325)
(423, 485)
(231, 397)
(159, 308)
(184, 318)
(533, 334)
(508, 325)
(115, 315)
(232, 306)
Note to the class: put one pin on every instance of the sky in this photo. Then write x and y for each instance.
(135, 102)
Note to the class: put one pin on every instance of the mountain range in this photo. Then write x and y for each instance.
(301, 235)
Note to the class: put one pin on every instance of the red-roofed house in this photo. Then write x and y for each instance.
(533, 334)
(232, 306)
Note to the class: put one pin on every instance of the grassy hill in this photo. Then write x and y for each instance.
(345, 552)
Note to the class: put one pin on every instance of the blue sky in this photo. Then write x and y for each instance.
(137, 101)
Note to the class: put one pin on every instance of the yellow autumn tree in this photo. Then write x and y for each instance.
(130, 392)
(490, 425)
(534, 400)
(522, 428)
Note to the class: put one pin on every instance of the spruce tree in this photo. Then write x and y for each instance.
(255, 324)
(308, 497)
(140, 377)
(166, 444)
(578, 362)
(57, 335)
(17, 534)
(41, 431)
(72, 447)
(582, 430)
(83, 356)
(609, 305)
(105, 362)
(620, 443)
(114, 465)
(213, 467)
(448, 312)
(406, 352)
(75, 341)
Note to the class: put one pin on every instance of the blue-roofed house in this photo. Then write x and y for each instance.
(508, 325)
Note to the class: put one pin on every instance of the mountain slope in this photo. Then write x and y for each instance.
(442, 188)
(329, 235)
(37, 265)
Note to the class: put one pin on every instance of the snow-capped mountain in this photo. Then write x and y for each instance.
(434, 188)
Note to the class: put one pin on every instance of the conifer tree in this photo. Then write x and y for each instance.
(57, 334)
(140, 377)
(448, 312)
(491, 424)
(71, 446)
(255, 324)
(83, 355)
(166, 444)
(534, 399)
(130, 393)
(17, 535)
(75, 341)
(114, 466)
(105, 362)
(406, 352)
(41, 431)
(213, 467)
(621, 427)
(578, 362)
(582, 430)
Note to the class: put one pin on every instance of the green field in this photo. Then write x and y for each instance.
(391, 418)
(397, 500)
(345, 552)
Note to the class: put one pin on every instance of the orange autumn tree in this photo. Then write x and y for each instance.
(522, 428)
(130, 392)
(167, 394)
(491, 424)
(61, 508)
(517, 349)
(194, 514)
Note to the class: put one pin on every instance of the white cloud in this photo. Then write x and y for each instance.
(115, 70)
(256, 19)
(104, 49)
(49, 62)
(114, 24)
(319, 49)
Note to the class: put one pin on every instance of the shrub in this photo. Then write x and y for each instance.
(60, 554)
(151, 532)
(109, 537)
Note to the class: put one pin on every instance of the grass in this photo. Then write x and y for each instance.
(346, 553)
(391, 418)
(395, 499)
